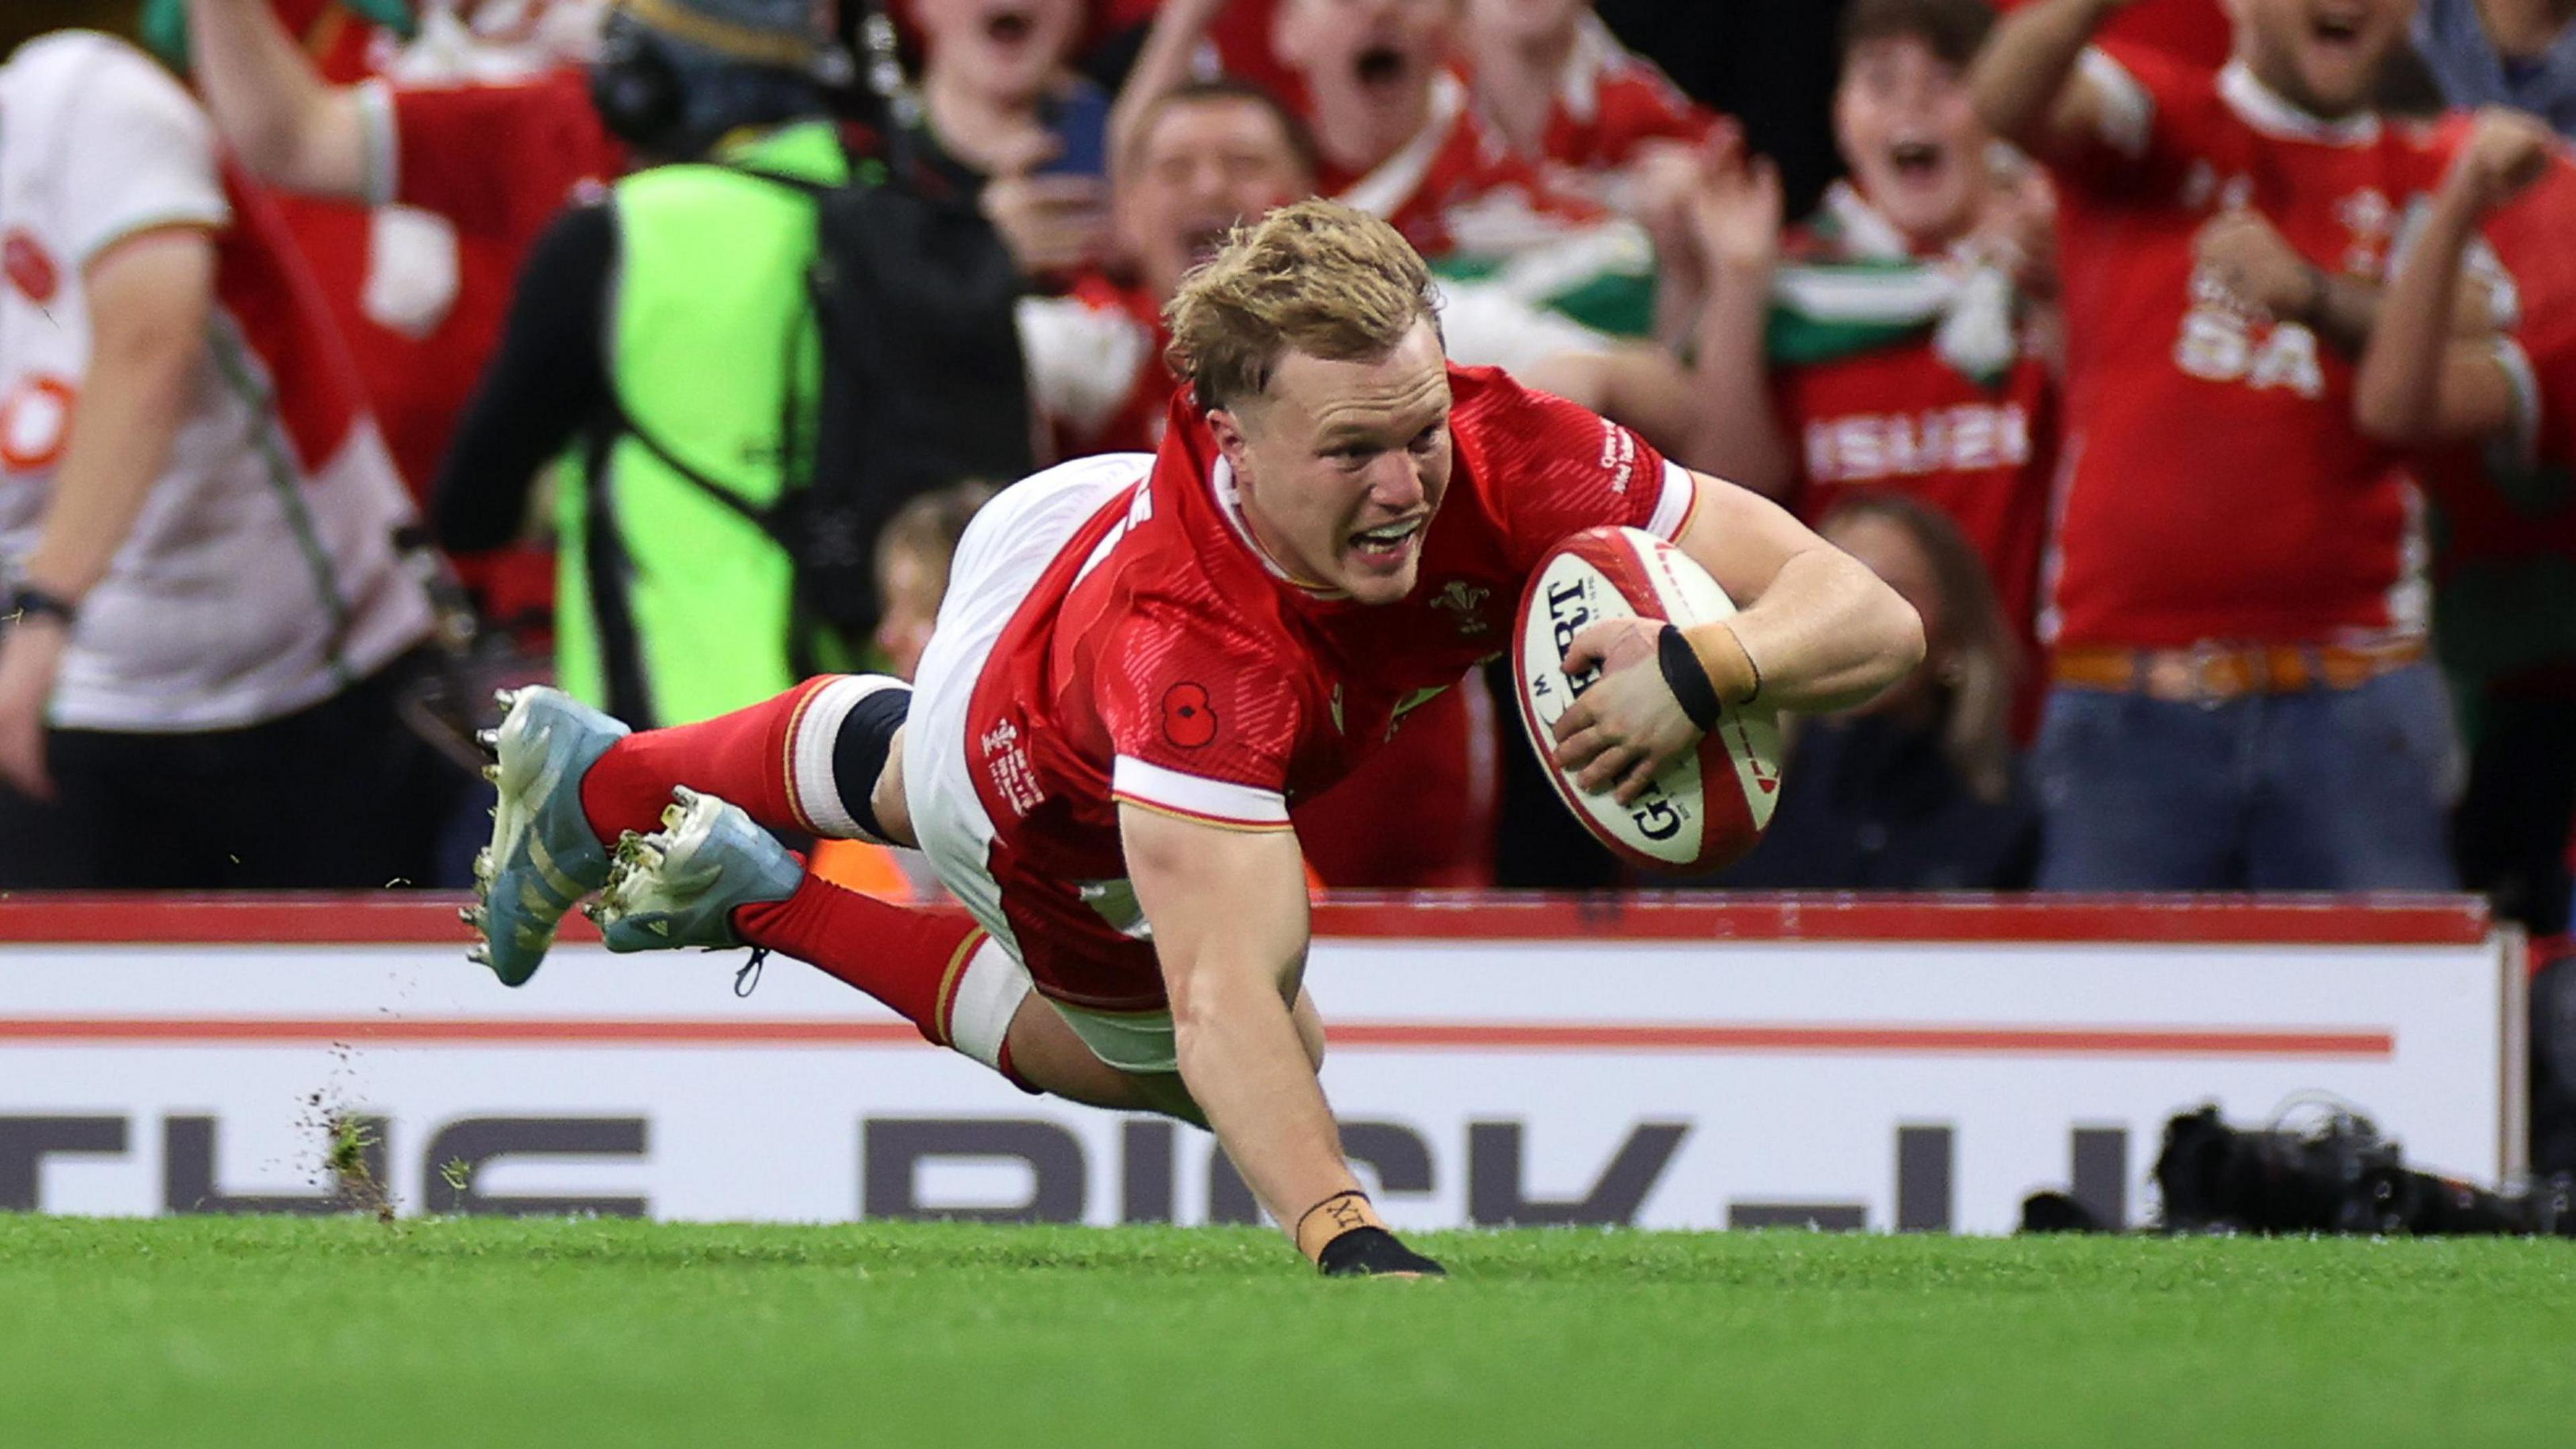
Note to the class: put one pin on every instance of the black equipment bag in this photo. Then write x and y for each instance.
(923, 381)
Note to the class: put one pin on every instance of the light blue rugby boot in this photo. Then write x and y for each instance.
(680, 885)
(543, 858)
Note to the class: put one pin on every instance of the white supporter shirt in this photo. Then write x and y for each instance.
(260, 577)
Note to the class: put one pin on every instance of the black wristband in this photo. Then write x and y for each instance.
(1366, 1252)
(1688, 678)
(29, 602)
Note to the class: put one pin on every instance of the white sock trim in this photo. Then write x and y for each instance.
(809, 756)
(989, 993)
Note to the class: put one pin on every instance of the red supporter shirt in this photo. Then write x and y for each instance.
(1163, 662)
(2529, 239)
(2195, 32)
(2215, 486)
(1096, 371)
(1901, 419)
(2483, 524)
(497, 160)
(1458, 187)
(1612, 101)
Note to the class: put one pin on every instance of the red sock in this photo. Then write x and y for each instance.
(741, 757)
(909, 959)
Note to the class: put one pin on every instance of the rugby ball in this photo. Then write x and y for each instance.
(1707, 808)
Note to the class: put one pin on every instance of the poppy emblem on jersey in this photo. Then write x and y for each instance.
(1189, 721)
(31, 269)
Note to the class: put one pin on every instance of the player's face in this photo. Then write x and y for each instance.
(1202, 167)
(1916, 150)
(909, 587)
(2321, 55)
(1369, 54)
(1342, 464)
(1001, 47)
(1525, 22)
(1889, 550)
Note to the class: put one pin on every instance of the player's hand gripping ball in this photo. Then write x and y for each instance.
(1710, 806)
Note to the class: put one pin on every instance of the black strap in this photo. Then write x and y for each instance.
(621, 654)
(1688, 678)
(621, 423)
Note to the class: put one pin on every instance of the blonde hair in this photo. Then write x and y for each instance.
(1977, 679)
(1315, 277)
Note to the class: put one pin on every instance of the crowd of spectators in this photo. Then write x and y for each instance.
(2202, 373)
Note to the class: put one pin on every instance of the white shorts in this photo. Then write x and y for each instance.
(1011, 543)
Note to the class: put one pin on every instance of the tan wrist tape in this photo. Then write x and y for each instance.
(1334, 1216)
(1730, 668)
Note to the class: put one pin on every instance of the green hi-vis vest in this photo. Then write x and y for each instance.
(671, 606)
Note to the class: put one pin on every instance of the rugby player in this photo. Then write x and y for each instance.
(1141, 661)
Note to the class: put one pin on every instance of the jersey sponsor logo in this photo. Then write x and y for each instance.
(36, 422)
(30, 267)
(1464, 603)
(1189, 721)
(2219, 343)
(1964, 438)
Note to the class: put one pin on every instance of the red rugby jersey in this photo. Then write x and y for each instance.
(2215, 486)
(1164, 662)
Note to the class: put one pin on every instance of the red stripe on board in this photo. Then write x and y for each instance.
(2045, 1040)
(1978, 1041)
(226, 1031)
(403, 918)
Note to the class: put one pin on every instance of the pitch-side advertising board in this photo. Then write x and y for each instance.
(1663, 1064)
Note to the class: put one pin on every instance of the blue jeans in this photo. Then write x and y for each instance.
(2327, 789)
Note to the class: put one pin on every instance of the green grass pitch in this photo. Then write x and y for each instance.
(559, 1333)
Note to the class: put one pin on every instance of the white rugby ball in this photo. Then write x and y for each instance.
(1706, 809)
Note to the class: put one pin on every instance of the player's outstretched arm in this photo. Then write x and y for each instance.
(2025, 83)
(1817, 632)
(2418, 383)
(1228, 910)
(286, 123)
